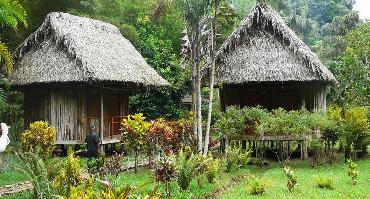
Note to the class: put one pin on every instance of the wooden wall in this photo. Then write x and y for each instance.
(73, 111)
(272, 96)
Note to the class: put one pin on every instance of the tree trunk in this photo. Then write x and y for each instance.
(198, 93)
(212, 78)
(194, 80)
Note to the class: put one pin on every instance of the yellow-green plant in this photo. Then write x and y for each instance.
(134, 137)
(352, 171)
(355, 129)
(324, 183)
(292, 179)
(257, 186)
(39, 134)
(70, 176)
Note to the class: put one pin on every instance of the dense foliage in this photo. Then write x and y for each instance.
(39, 134)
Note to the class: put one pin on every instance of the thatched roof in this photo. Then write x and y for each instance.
(265, 49)
(72, 49)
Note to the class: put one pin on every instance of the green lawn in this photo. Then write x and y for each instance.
(9, 173)
(233, 185)
(306, 180)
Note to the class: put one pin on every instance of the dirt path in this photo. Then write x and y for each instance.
(15, 188)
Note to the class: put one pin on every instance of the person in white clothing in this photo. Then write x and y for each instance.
(4, 139)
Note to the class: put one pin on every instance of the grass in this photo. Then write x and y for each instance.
(9, 173)
(306, 182)
(233, 185)
(194, 191)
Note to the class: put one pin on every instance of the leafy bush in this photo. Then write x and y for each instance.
(70, 175)
(286, 122)
(257, 186)
(356, 128)
(165, 135)
(324, 183)
(212, 170)
(39, 134)
(95, 165)
(164, 173)
(352, 171)
(232, 122)
(185, 167)
(231, 159)
(292, 179)
(253, 117)
(244, 158)
(134, 135)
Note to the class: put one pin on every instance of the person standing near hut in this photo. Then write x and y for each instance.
(92, 140)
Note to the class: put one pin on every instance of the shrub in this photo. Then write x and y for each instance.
(232, 122)
(39, 134)
(257, 186)
(212, 170)
(292, 179)
(165, 135)
(164, 173)
(352, 171)
(231, 159)
(185, 167)
(244, 157)
(134, 135)
(95, 165)
(324, 183)
(355, 129)
(253, 117)
(70, 175)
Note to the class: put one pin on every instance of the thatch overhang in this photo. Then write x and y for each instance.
(72, 50)
(265, 49)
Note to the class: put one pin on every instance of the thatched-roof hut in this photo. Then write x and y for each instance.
(76, 72)
(264, 62)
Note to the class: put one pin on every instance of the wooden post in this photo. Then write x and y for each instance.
(101, 119)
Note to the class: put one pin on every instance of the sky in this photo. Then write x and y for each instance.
(363, 7)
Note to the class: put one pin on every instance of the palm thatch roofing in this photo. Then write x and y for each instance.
(265, 49)
(72, 49)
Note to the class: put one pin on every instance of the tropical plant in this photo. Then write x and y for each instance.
(232, 122)
(134, 136)
(352, 171)
(39, 134)
(185, 166)
(213, 168)
(231, 158)
(355, 129)
(292, 179)
(164, 173)
(40, 172)
(257, 186)
(11, 14)
(70, 175)
(324, 182)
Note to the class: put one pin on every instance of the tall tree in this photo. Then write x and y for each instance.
(195, 11)
(211, 74)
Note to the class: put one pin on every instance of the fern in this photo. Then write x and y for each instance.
(8, 59)
(12, 13)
